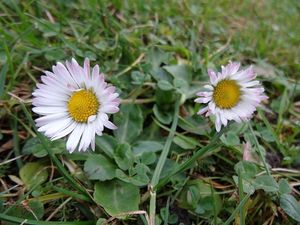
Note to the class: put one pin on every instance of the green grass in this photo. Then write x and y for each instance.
(204, 180)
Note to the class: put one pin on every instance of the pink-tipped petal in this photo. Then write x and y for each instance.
(212, 76)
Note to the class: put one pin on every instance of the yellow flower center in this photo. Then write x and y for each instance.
(226, 94)
(83, 104)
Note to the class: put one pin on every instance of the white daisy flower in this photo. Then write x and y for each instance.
(233, 94)
(75, 102)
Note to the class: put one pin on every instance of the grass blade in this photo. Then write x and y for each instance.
(161, 163)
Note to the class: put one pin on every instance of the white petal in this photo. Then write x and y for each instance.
(63, 74)
(76, 72)
(223, 118)
(64, 132)
(204, 93)
(51, 81)
(54, 126)
(209, 87)
(93, 143)
(86, 67)
(86, 139)
(49, 94)
(250, 84)
(212, 76)
(57, 126)
(74, 137)
(49, 118)
(201, 111)
(48, 102)
(218, 123)
(99, 126)
(202, 100)
(109, 125)
(244, 75)
(95, 73)
(232, 68)
(108, 109)
(212, 107)
(44, 110)
(92, 118)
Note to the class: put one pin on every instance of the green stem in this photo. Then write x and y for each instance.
(53, 157)
(259, 150)
(161, 163)
(199, 153)
(241, 193)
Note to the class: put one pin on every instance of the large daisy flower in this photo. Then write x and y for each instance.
(232, 94)
(74, 101)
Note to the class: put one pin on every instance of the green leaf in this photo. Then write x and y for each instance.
(230, 139)
(284, 187)
(164, 117)
(124, 156)
(199, 197)
(117, 197)
(34, 211)
(167, 217)
(33, 174)
(247, 185)
(266, 182)
(160, 74)
(165, 85)
(140, 179)
(107, 144)
(291, 206)
(148, 158)
(100, 221)
(141, 147)
(34, 146)
(156, 57)
(180, 71)
(139, 78)
(266, 134)
(37, 208)
(130, 123)
(194, 124)
(182, 86)
(165, 100)
(98, 167)
(246, 169)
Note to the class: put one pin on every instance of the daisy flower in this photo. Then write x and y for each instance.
(74, 101)
(232, 94)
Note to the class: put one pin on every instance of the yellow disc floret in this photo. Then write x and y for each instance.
(226, 94)
(83, 104)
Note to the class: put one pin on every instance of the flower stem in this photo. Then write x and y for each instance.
(259, 150)
(161, 163)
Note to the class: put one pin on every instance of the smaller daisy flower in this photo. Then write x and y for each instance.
(74, 101)
(232, 94)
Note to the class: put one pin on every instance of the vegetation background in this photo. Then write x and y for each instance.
(156, 53)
